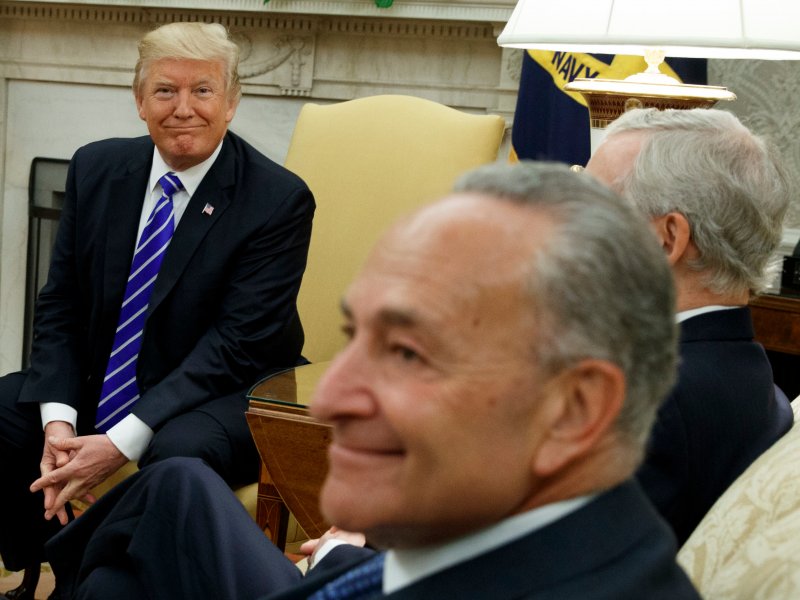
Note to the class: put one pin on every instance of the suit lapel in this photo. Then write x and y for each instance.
(215, 190)
(123, 212)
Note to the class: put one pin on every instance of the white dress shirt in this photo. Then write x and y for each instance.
(131, 435)
(693, 312)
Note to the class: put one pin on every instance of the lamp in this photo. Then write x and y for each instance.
(762, 29)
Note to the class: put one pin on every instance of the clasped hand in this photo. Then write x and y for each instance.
(71, 466)
(310, 547)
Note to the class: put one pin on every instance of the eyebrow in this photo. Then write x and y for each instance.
(171, 82)
(387, 316)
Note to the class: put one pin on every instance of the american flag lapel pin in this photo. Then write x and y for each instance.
(208, 209)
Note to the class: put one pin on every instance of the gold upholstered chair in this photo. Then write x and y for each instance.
(368, 161)
(747, 547)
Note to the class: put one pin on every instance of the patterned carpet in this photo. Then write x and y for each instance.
(9, 580)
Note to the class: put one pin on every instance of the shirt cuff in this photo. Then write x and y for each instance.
(323, 550)
(131, 436)
(58, 411)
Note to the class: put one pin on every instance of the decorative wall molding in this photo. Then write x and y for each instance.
(297, 51)
(326, 56)
(456, 10)
(390, 24)
(272, 62)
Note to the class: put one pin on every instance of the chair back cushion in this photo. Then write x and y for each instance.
(369, 161)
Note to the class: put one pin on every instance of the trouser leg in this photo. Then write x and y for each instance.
(24, 529)
(180, 531)
(112, 582)
(216, 432)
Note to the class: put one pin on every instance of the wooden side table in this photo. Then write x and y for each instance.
(776, 320)
(293, 448)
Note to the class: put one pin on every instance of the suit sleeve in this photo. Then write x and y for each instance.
(57, 371)
(344, 555)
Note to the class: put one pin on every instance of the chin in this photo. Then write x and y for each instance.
(349, 508)
(337, 504)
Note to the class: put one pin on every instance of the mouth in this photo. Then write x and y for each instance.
(352, 454)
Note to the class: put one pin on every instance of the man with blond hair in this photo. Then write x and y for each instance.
(171, 289)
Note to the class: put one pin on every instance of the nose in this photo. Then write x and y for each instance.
(183, 104)
(346, 390)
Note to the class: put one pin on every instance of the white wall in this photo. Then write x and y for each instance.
(37, 126)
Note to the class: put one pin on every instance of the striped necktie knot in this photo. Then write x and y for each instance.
(170, 184)
(363, 582)
(120, 390)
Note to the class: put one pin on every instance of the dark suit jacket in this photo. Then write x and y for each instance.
(615, 547)
(721, 415)
(223, 308)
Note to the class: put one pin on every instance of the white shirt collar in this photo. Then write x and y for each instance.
(404, 567)
(190, 178)
(693, 312)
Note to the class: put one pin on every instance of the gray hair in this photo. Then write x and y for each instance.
(195, 41)
(601, 287)
(728, 183)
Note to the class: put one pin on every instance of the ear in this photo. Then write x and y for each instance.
(588, 398)
(232, 106)
(139, 106)
(675, 234)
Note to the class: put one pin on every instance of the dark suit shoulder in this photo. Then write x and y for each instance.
(723, 373)
(256, 166)
(113, 156)
(113, 149)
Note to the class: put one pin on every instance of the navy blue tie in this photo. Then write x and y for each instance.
(120, 389)
(365, 581)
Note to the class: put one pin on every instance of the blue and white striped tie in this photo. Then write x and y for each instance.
(120, 389)
(361, 583)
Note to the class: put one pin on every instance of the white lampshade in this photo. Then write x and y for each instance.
(765, 29)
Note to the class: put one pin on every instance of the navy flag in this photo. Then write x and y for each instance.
(551, 124)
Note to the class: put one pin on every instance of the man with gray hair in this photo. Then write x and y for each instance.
(716, 196)
(487, 413)
(171, 290)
